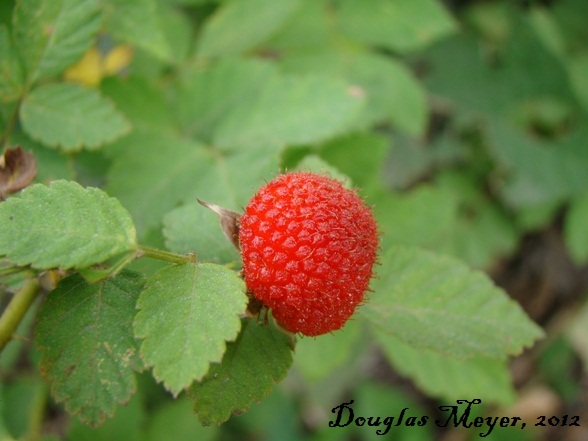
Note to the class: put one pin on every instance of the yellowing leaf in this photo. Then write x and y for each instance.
(95, 65)
(87, 71)
(117, 59)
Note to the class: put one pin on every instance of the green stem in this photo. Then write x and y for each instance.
(37, 414)
(6, 271)
(16, 310)
(155, 253)
(12, 121)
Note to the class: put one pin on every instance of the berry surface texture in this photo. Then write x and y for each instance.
(308, 246)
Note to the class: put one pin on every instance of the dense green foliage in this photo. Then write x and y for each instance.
(464, 128)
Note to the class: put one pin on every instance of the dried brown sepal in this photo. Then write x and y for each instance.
(254, 307)
(17, 170)
(229, 222)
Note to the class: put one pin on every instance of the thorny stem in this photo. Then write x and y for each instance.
(154, 253)
(16, 310)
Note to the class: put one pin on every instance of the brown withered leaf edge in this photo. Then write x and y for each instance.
(17, 170)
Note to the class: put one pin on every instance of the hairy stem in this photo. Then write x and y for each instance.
(155, 253)
(16, 310)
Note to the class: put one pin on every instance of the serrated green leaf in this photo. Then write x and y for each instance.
(557, 172)
(128, 420)
(569, 14)
(71, 117)
(482, 232)
(277, 417)
(206, 95)
(64, 225)
(316, 358)
(400, 25)
(543, 22)
(137, 22)
(258, 359)
(185, 170)
(449, 378)
(53, 34)
(238, 26)
(290, 110)
(578, 69)
(88, 351)
(425, 217)
(576, 230)
(437, 303)
(194, 228)
(315, 164)
(527, 70)
(186, 314)
(359, 156)
(178, 29)
(11, 81)
(392, 94)
(142, 102)
(307, 28)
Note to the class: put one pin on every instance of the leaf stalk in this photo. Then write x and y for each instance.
(155, 253)
(16, 310)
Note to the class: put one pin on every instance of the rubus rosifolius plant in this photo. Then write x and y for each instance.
(120, 299)
(308, 247)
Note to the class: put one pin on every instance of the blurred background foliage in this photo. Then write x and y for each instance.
(463, 122)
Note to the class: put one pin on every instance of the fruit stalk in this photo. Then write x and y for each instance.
(145, 251)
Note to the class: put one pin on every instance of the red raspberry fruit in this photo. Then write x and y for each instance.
(308, 246)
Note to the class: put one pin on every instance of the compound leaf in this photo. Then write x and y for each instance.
(391, 91)
(88, 351)
(423, 217)
(400, 25)
(557, 172)
(11, 81)
(259, 357)
(64, 225)
(141, 101)
(437, 303)
(291, 110)
(138, 23)
(185, 170)
(187, 313)
(449, 378)
(207, 94)
(192, 228)
(71, 117)
(238, 26)
(53, 34)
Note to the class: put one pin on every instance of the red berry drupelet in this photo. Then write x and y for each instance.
(308, 246)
